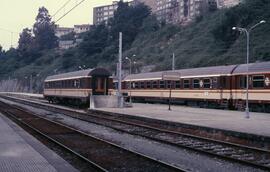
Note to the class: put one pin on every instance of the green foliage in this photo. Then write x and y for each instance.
(44, 31)
(26, 42)
(67, 37)
(128, 20)
(206, 42)
(96, 40)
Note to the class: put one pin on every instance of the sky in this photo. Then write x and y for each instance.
(18, 14)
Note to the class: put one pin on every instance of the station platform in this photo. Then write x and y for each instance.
(20, 152)
(257, 124)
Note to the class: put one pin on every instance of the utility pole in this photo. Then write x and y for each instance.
(31, 84)
(173, 62)
(120, 97)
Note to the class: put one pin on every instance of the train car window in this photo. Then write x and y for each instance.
(177, 84)
(168, 84)
(115, 85)
(136, 85)
(215, 83)
(155, 84)
(223, 82)
(76, 84)
(142, 85)
(243, 82)
(186, 83)
(196, 83)
(206, 83)
(161, 84)
(133, 85)
(148, 84)
(258, 81)
(127, 85)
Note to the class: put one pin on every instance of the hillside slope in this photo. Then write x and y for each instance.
(208, 41)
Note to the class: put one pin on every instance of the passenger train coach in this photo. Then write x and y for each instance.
(219, 86)
(77, 86)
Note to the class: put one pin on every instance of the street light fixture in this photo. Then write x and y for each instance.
(247, 31)
(82, 67)
(130, 71)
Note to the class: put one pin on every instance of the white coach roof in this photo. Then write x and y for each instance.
(186, 73)
(79, 74)
(261, 67)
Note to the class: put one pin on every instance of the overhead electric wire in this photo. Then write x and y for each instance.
(61, 8)
(69, 11)
(7, 30)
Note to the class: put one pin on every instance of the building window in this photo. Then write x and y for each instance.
(258, 81)
(206, 83)
(186, 83)
(196, 83)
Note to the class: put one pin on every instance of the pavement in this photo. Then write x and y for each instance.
(20, 152)
(258, 123)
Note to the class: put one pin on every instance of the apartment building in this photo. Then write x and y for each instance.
(81, 28)
(103, 13)
(150, 3)
(60, 31)
(77, 29)
(190, 9)
(169, 11)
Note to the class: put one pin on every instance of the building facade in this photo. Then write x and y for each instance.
(66, 43)
(60, 31)
(81, 28)
(103, 13)
(227, 3)
(169, 11)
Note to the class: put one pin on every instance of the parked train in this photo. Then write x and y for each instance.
(76, 87)
(219, 86)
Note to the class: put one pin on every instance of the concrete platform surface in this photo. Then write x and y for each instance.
(258, 123)
(20, 152)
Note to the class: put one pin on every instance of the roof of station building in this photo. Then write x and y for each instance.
(79, 74)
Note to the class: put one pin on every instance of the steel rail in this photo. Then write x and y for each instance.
(233, 145)
(170, 166)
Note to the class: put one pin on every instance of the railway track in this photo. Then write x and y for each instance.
(251, 156)
(100, 154)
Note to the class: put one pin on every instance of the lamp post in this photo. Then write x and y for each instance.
(247, 31)
(82, 67)
(130, 71)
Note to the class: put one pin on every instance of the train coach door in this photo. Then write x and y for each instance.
(100, 85)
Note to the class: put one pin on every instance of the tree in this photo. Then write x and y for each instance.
(1, 50)
(44, 31)
(96, 40)
(25, 41)
(128, 20)
(68, 37)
